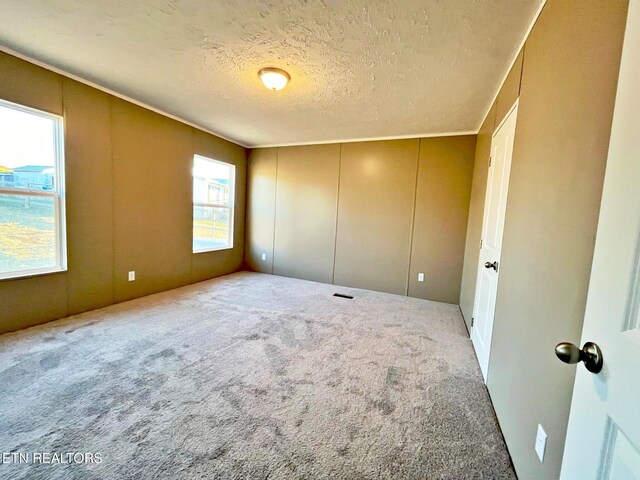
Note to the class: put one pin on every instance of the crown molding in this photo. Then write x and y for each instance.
(77, 78)
(513, 61)
(369, 139)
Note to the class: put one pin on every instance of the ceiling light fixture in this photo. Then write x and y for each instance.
(274, 78)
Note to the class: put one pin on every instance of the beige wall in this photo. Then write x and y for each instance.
(128, 189)
(261, 209)
(440, 221)
(560, 149)
(400, 208)
(375, 212)
(508, 94)
(509, 91)
(306, 203)
(89, 178)
(569, 74)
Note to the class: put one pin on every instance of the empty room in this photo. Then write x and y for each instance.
(320, 239)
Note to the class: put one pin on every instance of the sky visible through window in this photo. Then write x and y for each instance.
(27, 162)
(212, 192)
(25, 139)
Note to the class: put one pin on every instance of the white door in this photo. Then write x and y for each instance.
(603, 438)
(495, 206)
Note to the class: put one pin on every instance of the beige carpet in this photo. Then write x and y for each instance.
(250, 376)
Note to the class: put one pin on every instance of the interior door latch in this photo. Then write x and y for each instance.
(493, 265)
(590, 355)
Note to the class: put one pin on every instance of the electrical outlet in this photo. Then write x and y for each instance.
(541, 442)
(264, 256)
(421, 277)
(132, 276)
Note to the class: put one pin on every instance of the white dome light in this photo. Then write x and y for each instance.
(274, 78)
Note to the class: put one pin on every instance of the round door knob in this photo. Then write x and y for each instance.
(590, 355)
(493, 265)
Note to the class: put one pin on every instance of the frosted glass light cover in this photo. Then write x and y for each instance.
(274, 78)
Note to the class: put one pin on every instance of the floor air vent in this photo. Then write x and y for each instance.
(342, 295)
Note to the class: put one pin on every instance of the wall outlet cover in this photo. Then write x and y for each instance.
(421, 277)
(264, 256)
(541, 442)
(132, 276)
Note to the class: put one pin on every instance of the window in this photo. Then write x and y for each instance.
(213, 197)
(32, 211)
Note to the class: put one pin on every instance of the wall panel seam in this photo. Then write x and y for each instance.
(275, 213)
(413, 218)
(66, 179)
(524, 52)
(193, 153)
(243, 262)
(113, 206)
(523, 43)
(335, 237)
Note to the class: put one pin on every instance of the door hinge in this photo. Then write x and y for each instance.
(480, 243)
(472, 320)
(490, 159)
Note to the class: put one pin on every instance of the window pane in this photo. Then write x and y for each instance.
(27, 150)
(210, 228)
(27, 233)
(211, 181)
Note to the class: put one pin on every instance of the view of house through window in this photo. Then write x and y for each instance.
(213, 196)
(31, 192)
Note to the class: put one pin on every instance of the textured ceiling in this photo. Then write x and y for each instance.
(360, 68)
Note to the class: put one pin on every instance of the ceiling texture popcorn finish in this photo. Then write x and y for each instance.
(360, 69)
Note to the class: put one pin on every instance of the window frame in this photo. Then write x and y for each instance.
(230, 207)
(57, 194)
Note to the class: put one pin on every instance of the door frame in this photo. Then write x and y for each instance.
(514, 108)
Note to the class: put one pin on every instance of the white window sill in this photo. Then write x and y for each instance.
(205, 250)
(31, 273)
